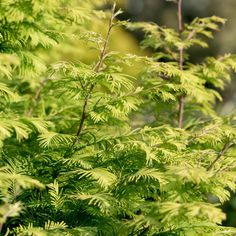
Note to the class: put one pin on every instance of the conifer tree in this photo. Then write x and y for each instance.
(72, 160)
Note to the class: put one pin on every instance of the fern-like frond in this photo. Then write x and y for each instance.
(103, 177)
(55, 139)
(57, 200)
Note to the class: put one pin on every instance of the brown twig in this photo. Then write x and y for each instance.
(226, 147)
(181, 99)
(181, 111)
(35, 99)
(191, 34)
(180, 21)
(96, 68)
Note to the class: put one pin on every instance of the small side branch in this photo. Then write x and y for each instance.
(36, 97)
(96, 68)
(226, 147)
(104, 49)
(191, 34)
(181, 112)
(83, 116)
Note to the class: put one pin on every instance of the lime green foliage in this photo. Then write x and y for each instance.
(72, 160)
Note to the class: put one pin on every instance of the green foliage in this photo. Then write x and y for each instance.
(74, 162)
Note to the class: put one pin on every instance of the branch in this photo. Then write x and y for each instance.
(191, 34)
(35, 99)
(180, 21)
(96, 68)
(103, 51)
(181, 99)
(226, 147)
(181, 111)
